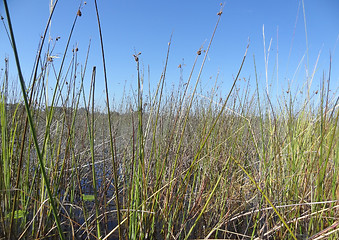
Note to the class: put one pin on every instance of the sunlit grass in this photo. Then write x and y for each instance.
(179, 166)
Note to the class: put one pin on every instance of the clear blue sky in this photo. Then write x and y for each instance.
(146, 26)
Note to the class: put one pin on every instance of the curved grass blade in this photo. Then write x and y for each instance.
(266, 198)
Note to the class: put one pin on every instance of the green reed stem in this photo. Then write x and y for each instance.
(115, 171)
(30, 120)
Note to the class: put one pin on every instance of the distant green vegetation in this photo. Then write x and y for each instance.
(176, 167)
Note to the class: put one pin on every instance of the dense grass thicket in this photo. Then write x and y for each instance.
(165, 166)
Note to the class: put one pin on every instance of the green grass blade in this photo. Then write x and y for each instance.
(30, 120)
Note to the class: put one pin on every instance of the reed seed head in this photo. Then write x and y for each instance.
(136, 57)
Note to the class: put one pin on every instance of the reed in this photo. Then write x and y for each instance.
(182, 165)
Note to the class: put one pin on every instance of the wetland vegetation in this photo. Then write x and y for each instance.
(164, 166)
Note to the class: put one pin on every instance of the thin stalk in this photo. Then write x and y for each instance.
(115, 171)
(91, 134)
(26, 119)
(30, 120)
(218, 116)
(5, 155)
(189, 108)
(207, 202)
(265, 196)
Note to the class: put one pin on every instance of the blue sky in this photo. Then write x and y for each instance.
(146, 26)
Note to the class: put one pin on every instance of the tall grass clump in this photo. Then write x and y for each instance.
(184, 165)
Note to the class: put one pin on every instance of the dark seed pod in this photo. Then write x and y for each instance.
(136, 57)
